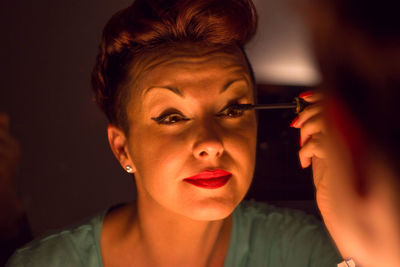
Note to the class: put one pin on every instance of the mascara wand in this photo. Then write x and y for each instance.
(297, 105)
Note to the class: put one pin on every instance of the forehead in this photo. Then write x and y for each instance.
(191, 67)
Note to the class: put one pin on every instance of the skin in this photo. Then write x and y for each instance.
(358, 191)
(9, 151)
(363, 219)
(359, 210)
(174, 223)
(14, 228)
(168, 210)
(9, 158)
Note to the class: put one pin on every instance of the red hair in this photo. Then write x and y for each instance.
(148, 25)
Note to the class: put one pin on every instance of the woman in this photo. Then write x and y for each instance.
(166, 76)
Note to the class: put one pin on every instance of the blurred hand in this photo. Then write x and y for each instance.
(14, 226)
(9, 155)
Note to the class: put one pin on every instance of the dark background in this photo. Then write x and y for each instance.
(67, 171)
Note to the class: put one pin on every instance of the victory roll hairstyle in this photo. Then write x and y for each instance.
(149, 25)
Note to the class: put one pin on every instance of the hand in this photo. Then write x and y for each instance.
(314, 143)
(10, 204)
(9, 149)
(312, 132)
(14, 227)
(9, 156)
(313, 152)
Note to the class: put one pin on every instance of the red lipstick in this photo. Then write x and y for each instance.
(210, 179)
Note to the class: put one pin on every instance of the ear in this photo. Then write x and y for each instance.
(119, 146)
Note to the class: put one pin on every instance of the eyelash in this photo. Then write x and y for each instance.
(176, 117)
(162, 119)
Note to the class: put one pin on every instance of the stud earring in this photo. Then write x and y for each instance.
(128, 169)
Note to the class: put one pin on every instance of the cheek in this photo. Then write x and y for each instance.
(240, 144)
(244, 134)
(159, 152)
(158, 160)
(155, 151)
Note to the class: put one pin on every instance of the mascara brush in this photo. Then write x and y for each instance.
(297, 105)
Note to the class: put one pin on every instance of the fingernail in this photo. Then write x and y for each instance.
(306, 94)
(294, 122)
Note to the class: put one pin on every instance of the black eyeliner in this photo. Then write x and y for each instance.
(160, 118)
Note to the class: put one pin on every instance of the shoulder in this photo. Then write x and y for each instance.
(283, 237)
(76, 245)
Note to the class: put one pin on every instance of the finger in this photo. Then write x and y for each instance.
(312, 148)
(306, 114)
(314, 125)
(311, 96)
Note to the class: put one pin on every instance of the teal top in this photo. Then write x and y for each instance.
(262, 235)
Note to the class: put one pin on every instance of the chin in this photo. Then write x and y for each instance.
(211, 209)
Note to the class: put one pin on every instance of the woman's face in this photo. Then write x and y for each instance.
(180, 126)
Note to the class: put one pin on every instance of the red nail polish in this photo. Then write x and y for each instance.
(294, 122)
(306, 94)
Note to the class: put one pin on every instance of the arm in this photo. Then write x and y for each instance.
(14, 227)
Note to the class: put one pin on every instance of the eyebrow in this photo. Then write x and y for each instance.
(178, 92)
(228, 84)
(172, 89)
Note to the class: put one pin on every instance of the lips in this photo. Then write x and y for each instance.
(209, 179)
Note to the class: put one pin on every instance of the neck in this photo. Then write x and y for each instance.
(172, 239)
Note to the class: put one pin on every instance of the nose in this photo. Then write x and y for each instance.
(208, 144)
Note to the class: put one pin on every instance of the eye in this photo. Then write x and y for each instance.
(232, 111)
(170, 118)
